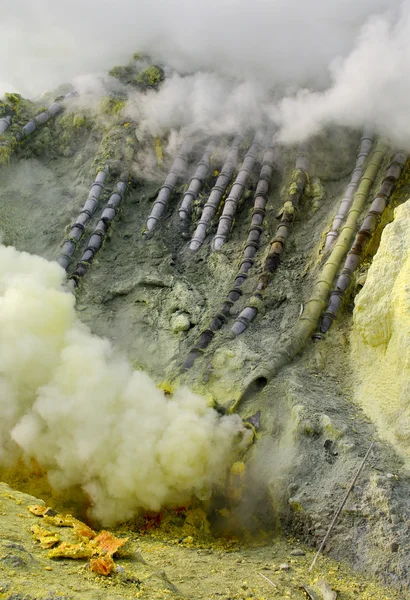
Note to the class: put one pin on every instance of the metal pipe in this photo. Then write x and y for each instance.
(363, 236)
(88, 210)
(43, 117)
(177, 169)
(197, 181)
(308, 321)
(277, 245)
(5, 123)
(339, 510)
(235, 194)
(97, 237)
(252, 245)
(366, 144)
(216, 195)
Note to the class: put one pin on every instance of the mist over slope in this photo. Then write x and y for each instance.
(300, 65)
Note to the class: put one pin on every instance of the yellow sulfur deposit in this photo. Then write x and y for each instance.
(158, 151)
(381, 335)
(47, 538)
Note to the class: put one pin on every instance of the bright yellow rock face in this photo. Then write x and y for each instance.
(381, 335)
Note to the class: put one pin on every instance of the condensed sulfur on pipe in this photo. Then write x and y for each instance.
(362, 238)
(44, 117)
(5, 123)
(366, 143)
(277, 245)
(309, 319)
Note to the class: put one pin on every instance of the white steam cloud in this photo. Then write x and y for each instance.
(300, 65)
(203, 103)
(279, 41)
(371, 84)
(86, 416)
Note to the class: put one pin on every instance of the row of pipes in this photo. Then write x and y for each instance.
(39, 120)
(325, 302)
(341, 241)
(98, 235)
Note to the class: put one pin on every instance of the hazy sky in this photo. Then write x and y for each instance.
(44, 42)
(344, 61)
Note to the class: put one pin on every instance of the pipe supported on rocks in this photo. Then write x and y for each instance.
(232, 201)
(77, 230)
(97, 237)
(309, 319)
(363, 236)
(177, 169)
(277, 245)
(43, 117)
(366, 144)
(197, 182)
(216, 195)
(252, 245)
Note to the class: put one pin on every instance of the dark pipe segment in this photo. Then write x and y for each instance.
(366, 143)
(215, 197)
(277, 245)
(97, 237)
(176, 171)
(5, 123)
(77, 230)
(362, 238)
(235, 194)
(252, 245)
(43, 117)
(197, 181)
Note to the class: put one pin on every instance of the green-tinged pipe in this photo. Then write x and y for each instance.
(309, 319)
(364, 235)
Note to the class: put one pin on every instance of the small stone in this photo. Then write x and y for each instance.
(188, 541)
(180, 323)
(298, 552)
(14, 561)
(331, 429)
(284, 567)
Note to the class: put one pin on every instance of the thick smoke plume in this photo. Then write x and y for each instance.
(371, 84)
(86, 416)
(300, 65)
(281, 41)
